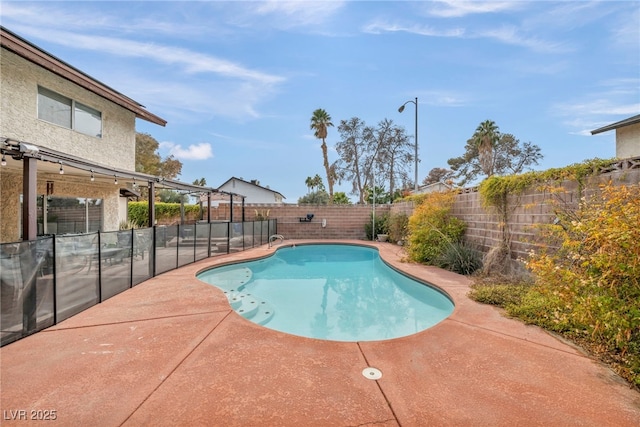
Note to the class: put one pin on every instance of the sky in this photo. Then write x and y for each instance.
(238, 81)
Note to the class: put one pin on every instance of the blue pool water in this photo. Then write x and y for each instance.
(331, 292)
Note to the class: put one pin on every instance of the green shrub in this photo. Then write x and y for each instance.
(398, 226)
(165, 212)
(139, 213)
(460, 258)
(432, 228)
(381, 225)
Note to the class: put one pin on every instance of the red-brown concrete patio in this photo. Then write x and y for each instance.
(172, 352)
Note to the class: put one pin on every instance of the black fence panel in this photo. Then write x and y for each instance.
(142, 259)
(186, 244)
(201, 250)
(237, 237)
(55, 277)
(27, 288)
(219, 240)
(116, 249)
(77, 273)
(166, 251)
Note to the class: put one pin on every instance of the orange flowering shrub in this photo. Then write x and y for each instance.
(588, 279)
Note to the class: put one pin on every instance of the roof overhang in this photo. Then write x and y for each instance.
(18, 150)
(626, 122)
(127, 192)
(34, 54)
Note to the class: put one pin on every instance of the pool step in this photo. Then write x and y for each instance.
(250, 307)
(264, 313)
(231, 281)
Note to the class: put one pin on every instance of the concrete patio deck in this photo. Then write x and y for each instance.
(171, 352)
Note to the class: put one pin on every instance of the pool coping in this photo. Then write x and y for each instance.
(171, 351)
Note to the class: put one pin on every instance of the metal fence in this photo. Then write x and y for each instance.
(54, 277)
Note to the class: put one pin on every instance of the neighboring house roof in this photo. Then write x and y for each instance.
(626, 122)
(253, 182)
(433, 187)
(31, 52)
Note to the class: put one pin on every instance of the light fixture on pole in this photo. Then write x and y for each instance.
(401, 109)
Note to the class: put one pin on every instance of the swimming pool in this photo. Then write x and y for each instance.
(331, 292)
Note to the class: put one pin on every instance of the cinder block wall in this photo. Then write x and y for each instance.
(526, 212)
(341, 221)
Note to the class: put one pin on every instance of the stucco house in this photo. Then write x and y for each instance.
(252, 191)
(67, 143)
(627, 136)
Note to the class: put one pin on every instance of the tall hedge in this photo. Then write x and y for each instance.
(165, 212)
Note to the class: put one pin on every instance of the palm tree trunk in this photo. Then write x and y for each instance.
(325, 154)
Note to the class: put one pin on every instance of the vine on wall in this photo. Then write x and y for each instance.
(502, 194)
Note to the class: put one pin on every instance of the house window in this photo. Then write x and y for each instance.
(60, 110)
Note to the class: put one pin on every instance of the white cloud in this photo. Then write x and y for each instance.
(201, 151)
(444, 98)
(586, 115)
(510, 34)
(297, 13)
(191, 61)
(458, 8)
(506, 34)
(422, 30)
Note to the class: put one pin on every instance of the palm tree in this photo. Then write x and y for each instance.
(485, 138)
(309, 183)
(320, 121)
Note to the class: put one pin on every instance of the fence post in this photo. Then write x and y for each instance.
(55, 283)
(153, 251)
(99, 269)
(28, 274)
(132, 249)
(209, 238)
(178, 246)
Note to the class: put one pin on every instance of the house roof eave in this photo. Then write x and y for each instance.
(34, 54)
(622, 123)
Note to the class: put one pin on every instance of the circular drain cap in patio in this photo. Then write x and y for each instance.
(372, 373)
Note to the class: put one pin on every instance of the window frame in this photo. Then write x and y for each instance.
(75, 106)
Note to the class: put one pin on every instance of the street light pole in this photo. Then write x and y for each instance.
(401, 109)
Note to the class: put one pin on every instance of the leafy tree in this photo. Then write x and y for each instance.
(367, 154)
(316, 198)
(490, 152)
(201, 182)
(381, 196)
(395, 153)
(355, 144)
(172, 196)
(148, 159)
(340, 198)
(438, 175)
(320, 121)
